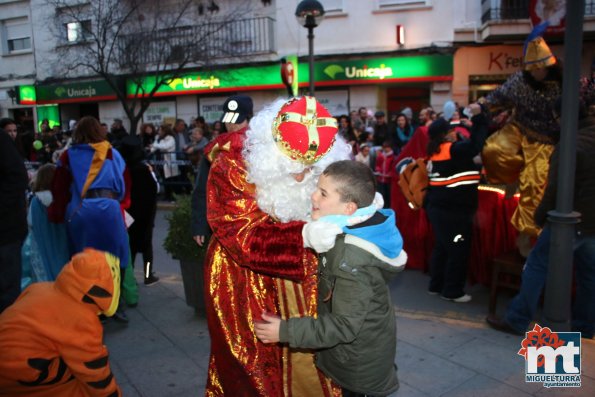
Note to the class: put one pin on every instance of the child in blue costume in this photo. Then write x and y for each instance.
(355, 330)
(50, 239)
(87, 190)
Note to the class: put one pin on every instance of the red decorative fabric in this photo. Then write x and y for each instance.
(60, 190)
(493, 234)
(414, 226)
(125, 203)
(277, 250)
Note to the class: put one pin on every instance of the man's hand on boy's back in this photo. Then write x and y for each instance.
(267, 329)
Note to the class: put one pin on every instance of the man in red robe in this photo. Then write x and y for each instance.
(258, 195)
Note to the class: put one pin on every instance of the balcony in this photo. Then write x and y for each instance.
(199, 44)
(498, 10)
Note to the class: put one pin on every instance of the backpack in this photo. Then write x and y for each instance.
(413, 181)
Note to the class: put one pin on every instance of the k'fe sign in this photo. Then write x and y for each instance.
(505, 61)
(160, 112)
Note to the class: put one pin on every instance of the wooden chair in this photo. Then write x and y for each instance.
(506, 273)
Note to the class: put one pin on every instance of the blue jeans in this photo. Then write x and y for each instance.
(521, 310)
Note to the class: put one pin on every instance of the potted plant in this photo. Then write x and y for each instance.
(180, 245)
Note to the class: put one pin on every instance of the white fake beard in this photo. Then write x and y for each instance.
(277, 192)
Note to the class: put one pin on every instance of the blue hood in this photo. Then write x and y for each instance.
(385, 235)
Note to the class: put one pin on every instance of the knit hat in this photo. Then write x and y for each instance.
(407, 112)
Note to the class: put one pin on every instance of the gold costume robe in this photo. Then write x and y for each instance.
(520, 151)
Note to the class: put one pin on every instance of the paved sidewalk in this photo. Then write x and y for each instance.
(443, 349)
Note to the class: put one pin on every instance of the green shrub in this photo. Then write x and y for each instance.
(179, 242)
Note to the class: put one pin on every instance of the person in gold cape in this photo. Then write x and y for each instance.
(519, 152)
(258, 190)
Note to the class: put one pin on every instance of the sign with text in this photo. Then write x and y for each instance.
(552, 358)
(90, 91)
(410, 68)
(370, 71)
(253, 77)
(211, 108)
(160, 112)
(337, 102)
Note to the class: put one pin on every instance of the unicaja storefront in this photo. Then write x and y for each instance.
(389, 84)
(382, 83)
(59, 103)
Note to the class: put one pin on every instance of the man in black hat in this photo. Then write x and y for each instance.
(237, 112)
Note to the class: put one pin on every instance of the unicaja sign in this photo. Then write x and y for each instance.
(552, 358)
(381, 72)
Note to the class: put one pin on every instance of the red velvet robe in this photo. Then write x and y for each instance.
(254, 263)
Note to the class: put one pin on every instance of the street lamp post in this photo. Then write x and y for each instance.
(309, 14)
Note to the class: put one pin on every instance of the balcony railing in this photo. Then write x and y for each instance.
(495, 10)
(200, 43)
(501, 10)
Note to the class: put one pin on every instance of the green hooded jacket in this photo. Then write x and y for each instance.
(355, 332)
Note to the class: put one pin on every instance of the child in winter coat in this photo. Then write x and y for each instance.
(384, 165)
(355, 329)
(48, 242)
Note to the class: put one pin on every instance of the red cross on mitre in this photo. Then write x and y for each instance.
(304, 129)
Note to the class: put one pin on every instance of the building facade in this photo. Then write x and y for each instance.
(378, 54)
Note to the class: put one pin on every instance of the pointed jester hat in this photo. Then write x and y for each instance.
(536, 53)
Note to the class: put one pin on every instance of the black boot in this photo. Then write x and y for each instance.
(150, 277)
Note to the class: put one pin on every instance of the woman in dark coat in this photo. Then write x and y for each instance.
(143, 204)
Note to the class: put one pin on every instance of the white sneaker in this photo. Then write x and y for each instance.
(461, 299)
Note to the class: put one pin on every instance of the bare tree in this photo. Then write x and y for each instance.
(136, 40)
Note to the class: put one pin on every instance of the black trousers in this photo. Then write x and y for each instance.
(453, 229)
(141, 241)
(10, 273)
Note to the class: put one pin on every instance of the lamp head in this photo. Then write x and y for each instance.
(309, 13)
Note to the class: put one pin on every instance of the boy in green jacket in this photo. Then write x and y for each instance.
(355, 330)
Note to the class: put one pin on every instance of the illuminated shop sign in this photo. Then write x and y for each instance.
(75, 92)
(253, 77)
(364, 71)
(413, 68)
(26, 95)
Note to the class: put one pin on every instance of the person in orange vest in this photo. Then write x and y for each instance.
(451, 202)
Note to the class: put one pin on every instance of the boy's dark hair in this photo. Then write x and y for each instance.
(356, 182)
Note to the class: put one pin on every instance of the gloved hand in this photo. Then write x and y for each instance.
(320, 235)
